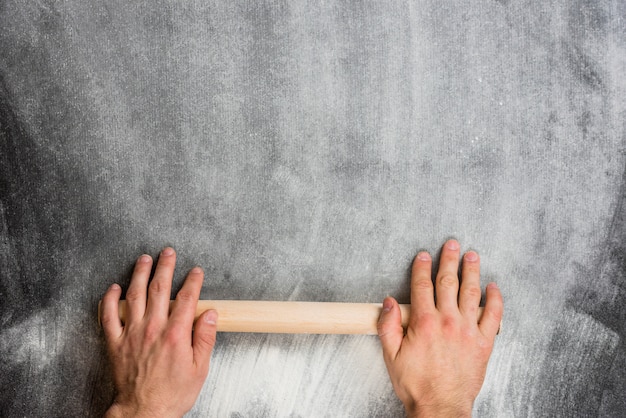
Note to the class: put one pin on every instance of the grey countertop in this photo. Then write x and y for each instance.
(306, 151)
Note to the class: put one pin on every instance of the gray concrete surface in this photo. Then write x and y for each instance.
(306, 151)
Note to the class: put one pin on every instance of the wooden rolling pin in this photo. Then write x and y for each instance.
(292, 317)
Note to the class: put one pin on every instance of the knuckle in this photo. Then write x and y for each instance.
(134, 294)
(174, 335)
(107, 320)
(151, 332)
(207, 338)
(494, 315)
(423, 284)
(485, 346)
(425, 322)
(448, 280)
(157, 286)
(384, 328)
(472, 292)
(449, 325)
(472, 268)
(186, 296)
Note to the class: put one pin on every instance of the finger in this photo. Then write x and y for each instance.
(447, 282)
(492, 314)
(136, 293)
(390, 329)
(422, 292)
(110, 313)
(161, 286)
(204, 335)
(184, 308)
(469, 294)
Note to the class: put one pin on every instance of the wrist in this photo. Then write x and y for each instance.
(117, 411)
(124, 411)
(439, 411)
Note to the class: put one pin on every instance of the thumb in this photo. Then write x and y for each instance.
(390, 329)
(204, 334)
(489, 323)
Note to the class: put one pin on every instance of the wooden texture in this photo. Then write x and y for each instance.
(292, 317)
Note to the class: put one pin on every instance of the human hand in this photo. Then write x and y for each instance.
(158, 367)
(438, 367)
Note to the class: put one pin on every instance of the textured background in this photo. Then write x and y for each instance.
(306, 151)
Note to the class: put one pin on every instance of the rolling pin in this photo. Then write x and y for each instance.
(292, 317)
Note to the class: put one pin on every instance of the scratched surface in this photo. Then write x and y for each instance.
(306, 151)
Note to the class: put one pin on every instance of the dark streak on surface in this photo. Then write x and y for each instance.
(21, 198)
(602, 297)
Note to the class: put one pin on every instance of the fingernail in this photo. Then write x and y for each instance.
(387, 305)
(492, 285)
(145, 258)
(211, 317)
(168, 251)
(115, 286)
(196, 270)
(471, 256)
(423, 256)
(452, 245)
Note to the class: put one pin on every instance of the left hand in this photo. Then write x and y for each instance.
(158, 367)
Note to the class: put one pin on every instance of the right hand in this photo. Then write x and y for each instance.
(438, 367)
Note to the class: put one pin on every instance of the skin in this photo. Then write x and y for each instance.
(159, 367)
(438, 367)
